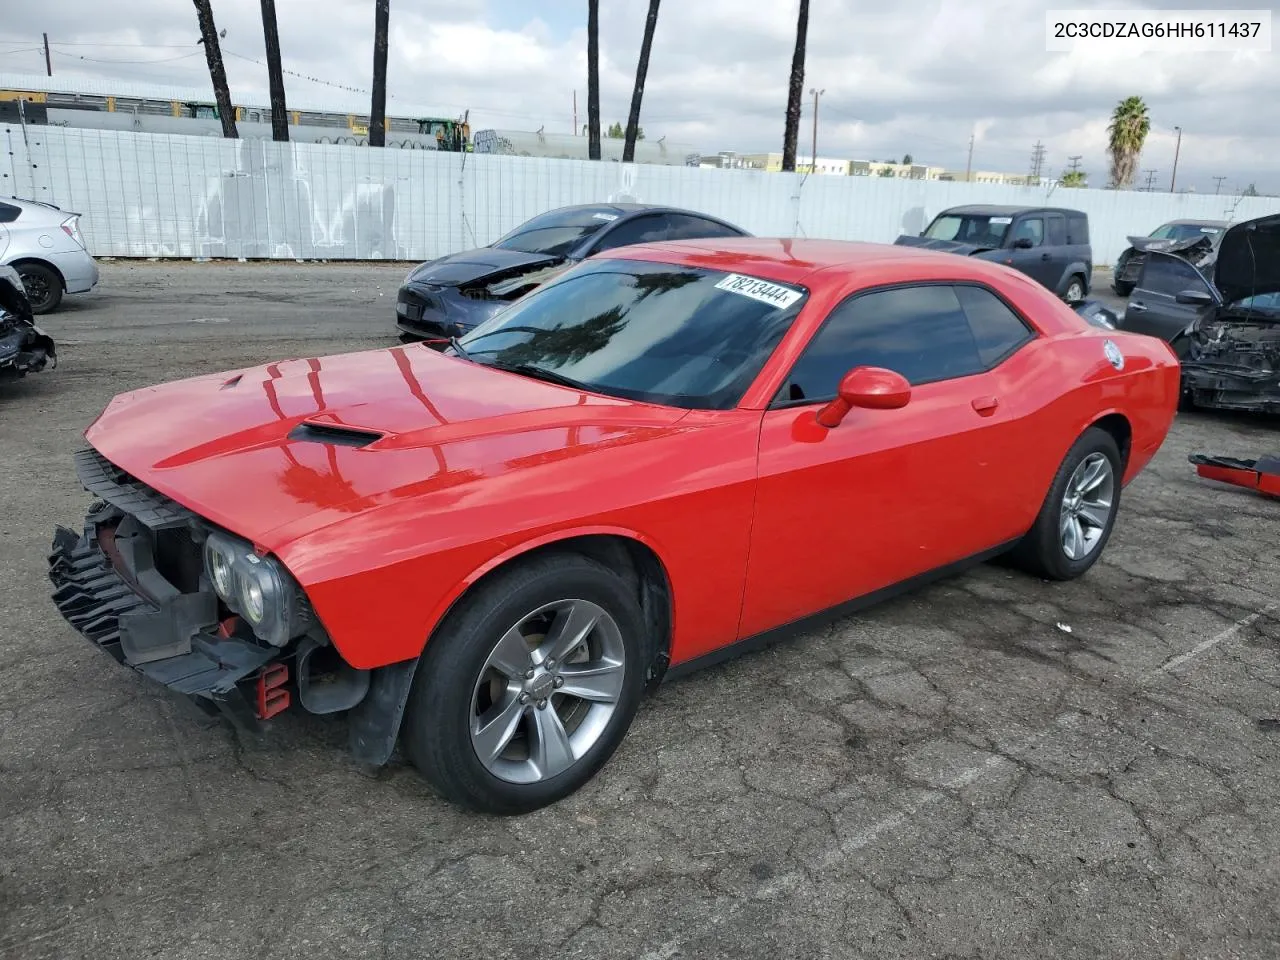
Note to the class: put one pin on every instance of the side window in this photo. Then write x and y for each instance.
(1031, 228)
(997, 330)
(639, 230)
(9, 213)
(1169, 275)
(1056, 230)
(1077, 229)
(920, 332)
(682, 227)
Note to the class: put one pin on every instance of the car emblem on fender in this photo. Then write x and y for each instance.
(1113, 354)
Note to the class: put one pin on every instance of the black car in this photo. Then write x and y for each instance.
(24, 347)
(1168, 238)
(1219, 308)
(1048, 244)
(447, 297)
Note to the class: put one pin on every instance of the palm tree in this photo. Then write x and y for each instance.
(378, 113)
(275, 74)
(1128, 132)
(593, 79)
(637, 92)
(217, 72)
(796, 90)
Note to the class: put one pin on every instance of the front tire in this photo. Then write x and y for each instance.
(1079, 512)
(1122, 288)
(529, 685)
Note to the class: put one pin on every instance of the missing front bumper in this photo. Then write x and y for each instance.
(169, 640)
(1230, 388)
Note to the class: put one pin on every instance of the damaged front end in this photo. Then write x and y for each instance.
(443, 300)
(199, 611)
(1232, 362)
(1197, 251)
(24, 347)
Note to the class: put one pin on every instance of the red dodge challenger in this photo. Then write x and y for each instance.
(665, 455)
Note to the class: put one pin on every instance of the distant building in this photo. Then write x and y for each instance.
(772, 162)
(992, 176)
(904, 171)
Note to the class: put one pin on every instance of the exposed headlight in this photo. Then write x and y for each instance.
(257, 588)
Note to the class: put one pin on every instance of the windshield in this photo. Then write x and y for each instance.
(1185, 231)
(1266, 302)
(980, 230)
(654, 332)
(558, 232)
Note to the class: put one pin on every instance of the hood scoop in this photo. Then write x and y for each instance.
(310, 431)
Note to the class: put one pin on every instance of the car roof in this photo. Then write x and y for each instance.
(631, 208)
(1006, 210)
(787, 260)
(1198, 223)
(33, 206)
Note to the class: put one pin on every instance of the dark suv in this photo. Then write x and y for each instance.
(1048, 244)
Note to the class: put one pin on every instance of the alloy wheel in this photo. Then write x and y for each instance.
(547, 691)
(1087, 505)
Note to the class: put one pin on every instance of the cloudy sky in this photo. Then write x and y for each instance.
(911, 76)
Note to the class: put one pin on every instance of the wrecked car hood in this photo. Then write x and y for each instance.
(273, 452)
(1248, 260)
(947, 246)
(473, 265)
(1190, 247)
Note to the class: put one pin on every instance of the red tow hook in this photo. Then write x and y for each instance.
(272, 697)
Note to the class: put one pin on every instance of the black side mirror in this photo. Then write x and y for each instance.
(1023, 243)
(1199, 298)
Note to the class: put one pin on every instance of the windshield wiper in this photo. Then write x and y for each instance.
(539, 373)
(459, 349)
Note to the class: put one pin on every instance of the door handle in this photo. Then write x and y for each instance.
(1044, 256)
(986, 405)
(1137, 306)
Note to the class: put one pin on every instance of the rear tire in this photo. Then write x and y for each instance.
(495, 720)
(43, 286)
(1075, 290)
(1072, 514)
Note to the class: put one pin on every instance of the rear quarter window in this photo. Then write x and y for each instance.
(1077, 228)
(9, 213)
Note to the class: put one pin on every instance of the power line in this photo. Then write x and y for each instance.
(77, 56)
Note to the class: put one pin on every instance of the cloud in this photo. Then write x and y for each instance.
(918, 76)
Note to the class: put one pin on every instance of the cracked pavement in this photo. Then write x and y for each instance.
(948, 775)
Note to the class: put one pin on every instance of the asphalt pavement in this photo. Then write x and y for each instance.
(992, 767)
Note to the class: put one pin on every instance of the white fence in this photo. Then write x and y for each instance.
(154, 195)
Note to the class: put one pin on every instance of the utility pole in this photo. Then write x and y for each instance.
(576, 131)
(378, 109)
(1151, 177)
(1075, 162)
(1217, 185)
(217, 73)
(968, 166)
(1174, 179)
(813, 159)
(48, 61)
(275, 76)
(1037, 162)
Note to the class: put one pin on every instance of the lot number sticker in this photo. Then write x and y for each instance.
(762, 290)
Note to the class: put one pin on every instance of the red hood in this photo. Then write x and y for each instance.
(220, 445)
